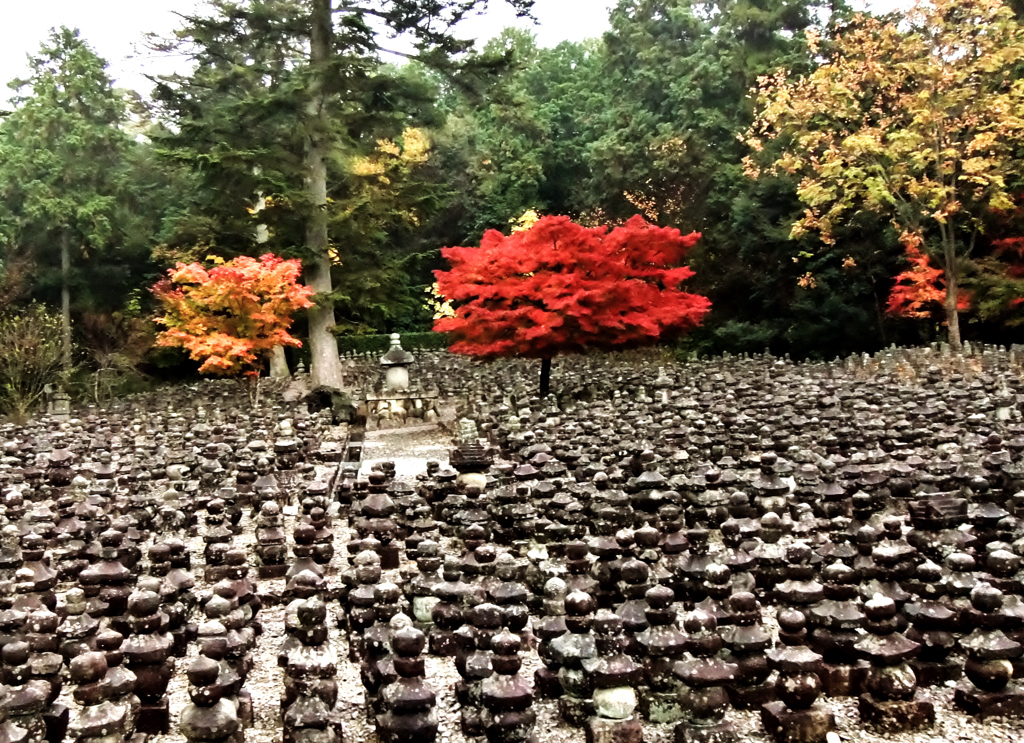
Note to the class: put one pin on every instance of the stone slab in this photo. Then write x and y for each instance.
(797, 726)
(602, 730)
(1006, 703)
(895, 716)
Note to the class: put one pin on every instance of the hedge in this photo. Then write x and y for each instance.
(379, 344)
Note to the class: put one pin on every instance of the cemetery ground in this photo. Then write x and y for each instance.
(875, 502)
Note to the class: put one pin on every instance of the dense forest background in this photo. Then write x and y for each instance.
(101, 189)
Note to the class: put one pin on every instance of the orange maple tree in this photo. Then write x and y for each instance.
(920, 291)
(230, 316)
(559, 287)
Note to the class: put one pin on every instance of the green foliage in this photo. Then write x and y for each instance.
(244, 121)
(30, 359)
(522, 145)
(380, 343)
(116, 345)
(72, 175)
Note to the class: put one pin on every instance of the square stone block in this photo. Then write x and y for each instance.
(895, 716)
(660, 707)
(1006, 703)
(575, 710)
(56, 719)
(154, 719)
(797, 726)
(602, 730)
(842, 680)
(936, 674)
(272, 572)
(751, 697)
(723, 732)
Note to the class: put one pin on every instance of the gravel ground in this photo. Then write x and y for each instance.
(410, 451)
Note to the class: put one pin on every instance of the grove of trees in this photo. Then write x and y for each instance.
(855, 179)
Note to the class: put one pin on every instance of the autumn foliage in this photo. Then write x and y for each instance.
(231, 315)
(559, 287)
(920, 291)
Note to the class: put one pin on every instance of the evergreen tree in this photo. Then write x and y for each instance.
(284, 93)
(65, 204)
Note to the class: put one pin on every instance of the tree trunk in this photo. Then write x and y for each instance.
(65, 300)
(325, 366)
(279, 363)
(952, 284)
(545, 377)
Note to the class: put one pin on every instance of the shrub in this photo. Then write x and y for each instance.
(117, 345)
(379, 343)
(30, 359)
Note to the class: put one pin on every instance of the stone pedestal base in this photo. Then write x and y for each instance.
(547, 682)
(442, 643)
(407, 728)
(723, 732)
(510, 727)
(389, 556)
(245, 711)
(154, 719)
(843, 681)
(751, 697)
(56, 719)
(272, 572)
(575, 710)
(936, 674)
(181, 640)
(1006, 703)
(603, 730)
(660, 707)
(797, 726)
(472, 722)
(215, 573)
(895, 716)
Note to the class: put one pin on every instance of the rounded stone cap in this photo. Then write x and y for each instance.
(143, 603)
(742, 602)
(87, 668)
(16, 653)
(408, 642)
(109, 640)
(880, 608)
(579, 603)
(203, 671)
(660, 597)
(986, 598)
(960, 562)
(217, 607)
(311, 612)
(505, 643)
(607, 622)
(699, 622)
(792, 621)
(839, 573)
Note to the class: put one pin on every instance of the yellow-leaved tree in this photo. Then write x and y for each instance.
(917, 120)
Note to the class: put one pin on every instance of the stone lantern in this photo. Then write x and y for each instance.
(61, 405)
(396, 363)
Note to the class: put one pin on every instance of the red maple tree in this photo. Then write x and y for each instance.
(230, 316)
(920, 291)
(559, 287)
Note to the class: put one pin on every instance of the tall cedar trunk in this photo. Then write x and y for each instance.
(952, 284)
(65, 300)
(325, 366)
(545, 377)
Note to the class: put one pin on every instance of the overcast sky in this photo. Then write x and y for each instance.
(115, 28)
